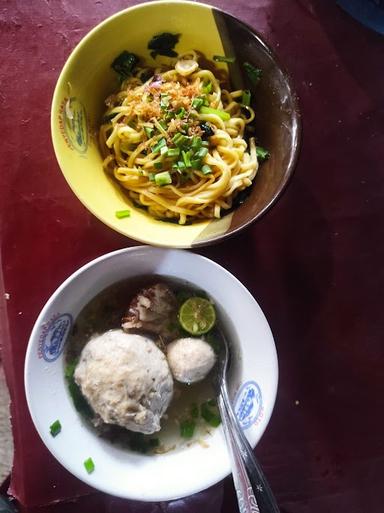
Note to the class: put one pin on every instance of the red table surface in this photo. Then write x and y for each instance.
(314, 262)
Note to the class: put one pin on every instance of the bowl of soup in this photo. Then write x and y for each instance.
(120, 369)
(175, 124)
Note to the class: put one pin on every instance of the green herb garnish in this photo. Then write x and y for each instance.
(124, 64)
(120, 214)
(246, 98)
(262, 154)
(163, 178)
(148, 131)
(160, 143)
(55, 428)
(163, 44)
(222, 58)
(180, 113)
(173, 152)
(206, 169)
(207, 88)
(89, 465)
(187, 428)
(197, 103)
(210, 414)
(225, 116)
(253, 73)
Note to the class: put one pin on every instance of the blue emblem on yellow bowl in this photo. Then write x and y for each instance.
(53, 336)
(73, 124)
(249, 404)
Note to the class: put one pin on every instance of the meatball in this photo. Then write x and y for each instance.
(190, 359)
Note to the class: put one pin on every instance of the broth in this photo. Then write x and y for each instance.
(104, 312)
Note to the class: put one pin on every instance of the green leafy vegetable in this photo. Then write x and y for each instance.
(120, 214)
(222, 58)
(254, 74)
(187, 428)
(89, 465)
(262, 154)
(124, 64)
(163, 44)
(55, 428)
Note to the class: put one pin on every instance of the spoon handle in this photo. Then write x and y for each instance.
(245, 496)
(265, 499)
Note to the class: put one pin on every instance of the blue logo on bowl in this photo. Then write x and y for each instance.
(249, 404)
(53, 336)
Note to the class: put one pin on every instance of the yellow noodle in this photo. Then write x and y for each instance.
(142, 116)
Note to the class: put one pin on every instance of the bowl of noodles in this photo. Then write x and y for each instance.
(174, 124)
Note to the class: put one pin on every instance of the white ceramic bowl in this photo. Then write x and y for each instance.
(120, 472)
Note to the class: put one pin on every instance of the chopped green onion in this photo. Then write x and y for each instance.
(206, 170)
(253, 73)
(207, 88)
(221, 58)
(187, 428)
(209, 415)
(197, 103)
(163, 178)
(186, 158)
(246, 98)
(164, 101)
(201, 153)
(151, 176)
(179, 139)
(262, 154)
(148, 131)
(89, 465)
(185, 127)
(180, 166)
(180, 113)
(163, 150)
(160, 143)
(173, 152)
(161, 126)
(120, 214)
(225, 116)
(158, 165)
(55, 428)
(196, 163)
(196, 142)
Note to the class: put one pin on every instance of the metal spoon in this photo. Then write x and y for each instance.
(254, 494)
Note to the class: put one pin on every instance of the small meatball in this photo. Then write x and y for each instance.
(153, 309)
(190, 359)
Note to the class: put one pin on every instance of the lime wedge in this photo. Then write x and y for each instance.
(197, 315)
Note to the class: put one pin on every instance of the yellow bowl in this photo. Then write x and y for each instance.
(87, 79)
